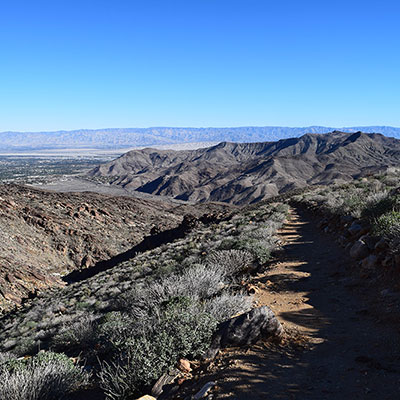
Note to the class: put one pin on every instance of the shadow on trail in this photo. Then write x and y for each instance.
(350, 355)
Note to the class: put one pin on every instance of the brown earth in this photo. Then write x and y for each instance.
(342, 337)
(45, 235)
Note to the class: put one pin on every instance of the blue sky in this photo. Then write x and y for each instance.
(97, 64)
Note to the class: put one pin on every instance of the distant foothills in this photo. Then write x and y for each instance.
(121, 138)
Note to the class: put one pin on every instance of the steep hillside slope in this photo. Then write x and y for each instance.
(44, 235)
(247, 172)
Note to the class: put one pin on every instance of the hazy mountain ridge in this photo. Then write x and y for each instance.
(132, 137)
(246, 172)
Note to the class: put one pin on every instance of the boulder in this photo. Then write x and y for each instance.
(359, 250)
(370, 241)
(245, 329)
(370, 262)
(355, 229)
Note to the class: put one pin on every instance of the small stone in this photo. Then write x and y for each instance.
(355, 229)
(202, 393)
(184, 365)
(359, 250)
(370, 241)
(381, 244)
(370, 261)
(346, 219)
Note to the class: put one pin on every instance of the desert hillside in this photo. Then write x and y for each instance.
(243, 173)
(271, 290)
(44, 235)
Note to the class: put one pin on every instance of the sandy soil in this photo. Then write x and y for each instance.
(337, 346)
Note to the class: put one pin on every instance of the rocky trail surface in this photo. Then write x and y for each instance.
(341, 340)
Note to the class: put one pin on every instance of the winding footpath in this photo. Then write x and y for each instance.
(337, 345)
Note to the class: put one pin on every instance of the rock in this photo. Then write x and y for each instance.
(370, 241)
(342, 240)
(346, 219)
(349, 245)
(355, 229)
(359, 250)
(147, 397)
(184, 365)
(388, 293)
(204, 391)
(164, 381)
(245, 329)
(370, 261)
(387, 261)
(381, 245)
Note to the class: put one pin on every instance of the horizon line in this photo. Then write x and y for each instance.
(204, 127)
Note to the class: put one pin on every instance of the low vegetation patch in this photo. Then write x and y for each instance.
(46, 376)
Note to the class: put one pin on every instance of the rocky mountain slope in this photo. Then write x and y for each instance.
(243, 173)
(44, 235)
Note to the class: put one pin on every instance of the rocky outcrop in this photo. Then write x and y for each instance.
(245, 329)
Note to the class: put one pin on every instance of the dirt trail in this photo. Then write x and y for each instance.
(338, 348)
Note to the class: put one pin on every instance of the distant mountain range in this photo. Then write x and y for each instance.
(243, 173)
(137, 137)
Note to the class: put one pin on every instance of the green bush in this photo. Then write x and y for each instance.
(386, 224)
(379, 204)
(259, 249)
(76, 334)
(183, 330)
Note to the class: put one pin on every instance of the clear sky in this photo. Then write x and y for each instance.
(68, 64)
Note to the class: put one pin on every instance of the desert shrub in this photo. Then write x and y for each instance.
(387, 225)
(391, 181)
(184, 329)
(113, 330)
(46, 376)
(380, 203)
(4, 357)
(76, 334)
(198, 282)
(26, 346)
(353, 204)
(230, 261)
(333, 203)
(259, 249)
(225, 306)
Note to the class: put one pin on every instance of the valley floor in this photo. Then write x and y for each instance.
(339, 345)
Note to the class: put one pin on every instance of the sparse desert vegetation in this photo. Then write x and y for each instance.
(370, 204)
(133, 322)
